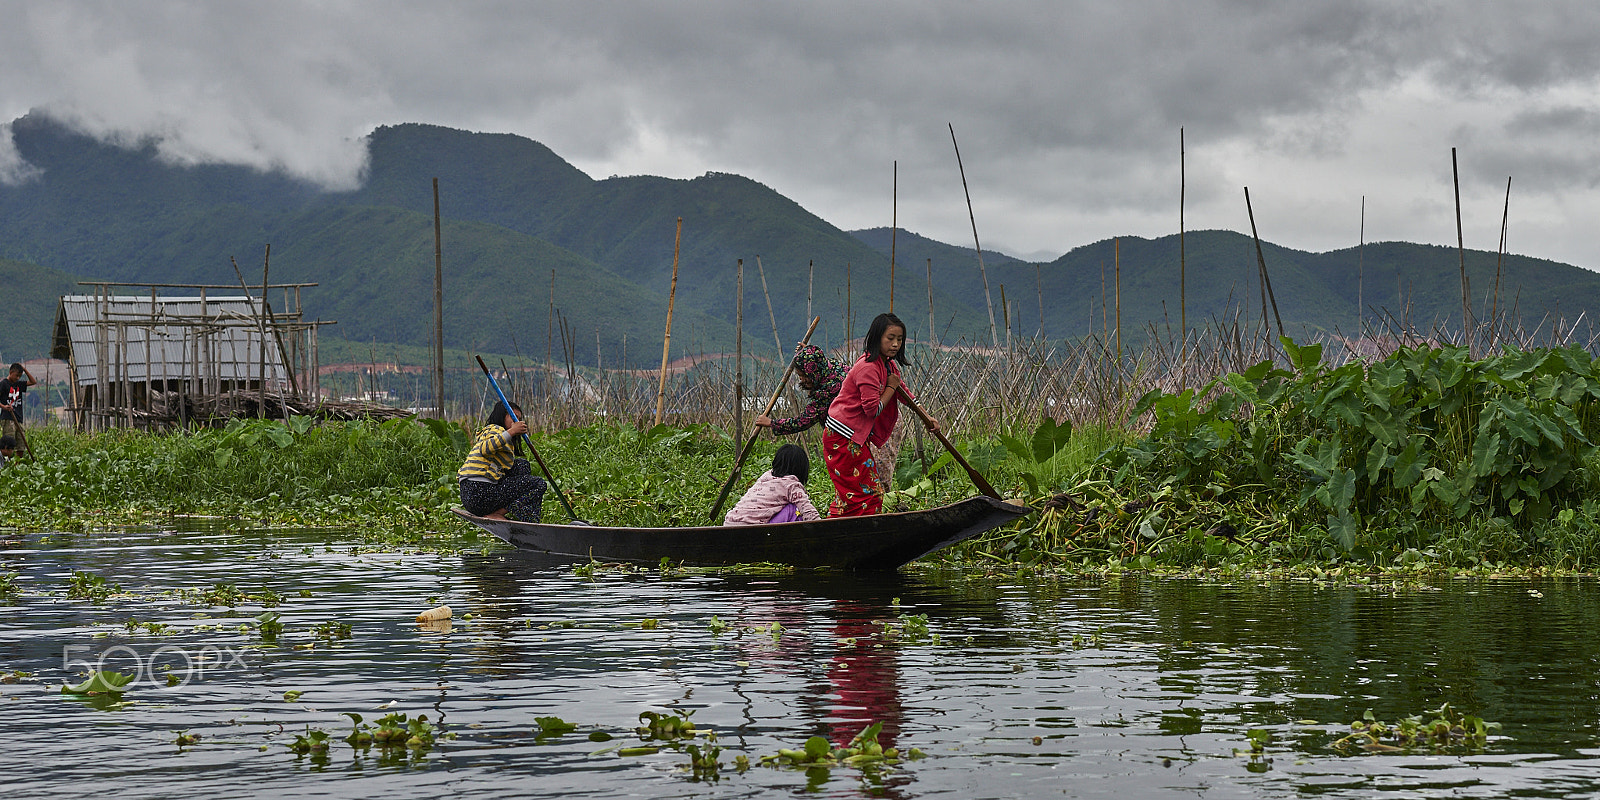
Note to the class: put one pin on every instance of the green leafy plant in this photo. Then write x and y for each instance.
(100, 682)
(91, 587)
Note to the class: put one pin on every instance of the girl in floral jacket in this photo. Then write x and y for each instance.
(821, 378)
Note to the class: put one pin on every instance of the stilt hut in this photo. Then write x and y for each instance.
(146, 360)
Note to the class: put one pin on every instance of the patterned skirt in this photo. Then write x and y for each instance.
(855, 477)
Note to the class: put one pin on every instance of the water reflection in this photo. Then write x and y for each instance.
(1034, 686)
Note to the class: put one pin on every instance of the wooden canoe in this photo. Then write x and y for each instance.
(879, 542)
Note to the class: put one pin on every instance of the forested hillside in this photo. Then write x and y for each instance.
(515, 213)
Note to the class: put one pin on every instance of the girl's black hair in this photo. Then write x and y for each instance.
(498, 415)
(791, 459)
(880, 326)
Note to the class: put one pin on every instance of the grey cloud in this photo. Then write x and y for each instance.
(1064, 110)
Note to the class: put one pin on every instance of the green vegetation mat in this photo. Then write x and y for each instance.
(1428, 460)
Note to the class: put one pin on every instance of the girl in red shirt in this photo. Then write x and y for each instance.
(863, 416)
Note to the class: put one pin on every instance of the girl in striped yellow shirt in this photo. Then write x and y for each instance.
(494, 482)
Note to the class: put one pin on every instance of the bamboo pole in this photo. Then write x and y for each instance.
(811, 275)
(1494, 307)
(933, 332)
(1116, 255)
(1361, 272)
(666, 338)
(994, 337)
(894, 228)
(764, 293)
(1183, 274)
(1261, 263)
(1461, 251)
(738, 350)
(1038, 286)
(438, 306)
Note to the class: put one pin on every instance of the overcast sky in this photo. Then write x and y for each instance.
(1067, 114)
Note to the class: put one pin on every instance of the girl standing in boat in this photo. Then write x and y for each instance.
(821, 378)
(494, 482)
(863, 416)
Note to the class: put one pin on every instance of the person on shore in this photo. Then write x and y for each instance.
(8, 447)
(779, 495)
(821, 378)
(863, 416)
(11, 391)
(494, 482)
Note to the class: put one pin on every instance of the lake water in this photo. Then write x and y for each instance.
(1019, 686)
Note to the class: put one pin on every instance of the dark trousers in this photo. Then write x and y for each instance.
(519, 492)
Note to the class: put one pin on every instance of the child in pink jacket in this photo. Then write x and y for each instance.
(779, 495)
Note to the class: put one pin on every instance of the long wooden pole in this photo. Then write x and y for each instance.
(1505, 220)
(1361, 272)
(933, 333)
(438, 306)
(1116, 255)
(764, 293)
(994, 336)
(894, 228)
(744, 452)
(666, 338)
(1261, 262)
(1183, 273)
(977, 478)
(738, 352)
(1461, 251)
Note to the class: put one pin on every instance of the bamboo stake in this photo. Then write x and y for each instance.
(666, 339)
(811, 275)
(1261, 262)
(994, 336)
(1361, 263)
(1116, 245)
(1461, 251)
(738, 352)
(1494, 308)
(932, 331)
(1183, 276)
(438, 306)
(894, 228)
(764, 293)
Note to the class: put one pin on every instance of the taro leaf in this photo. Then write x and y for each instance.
(1342, 489)
(1017, 448)
(1342, 526)
(300, 424)
(1033, 483)
(817, 747)
(1377, 459)
(280, 436)
(1305, 358)
(1049, 438)
(101, 682)
(1409, 464)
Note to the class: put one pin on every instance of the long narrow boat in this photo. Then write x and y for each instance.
(878, 542)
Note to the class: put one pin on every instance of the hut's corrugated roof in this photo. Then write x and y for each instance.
(166, 331)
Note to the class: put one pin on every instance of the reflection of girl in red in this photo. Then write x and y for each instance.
(864, 678)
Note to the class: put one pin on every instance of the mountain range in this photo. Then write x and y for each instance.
(531, 244)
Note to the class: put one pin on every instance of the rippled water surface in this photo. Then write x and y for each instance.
(1136, 687)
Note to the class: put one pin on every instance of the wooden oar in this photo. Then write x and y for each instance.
(744, 452)
(529, 442)
(977, 478)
